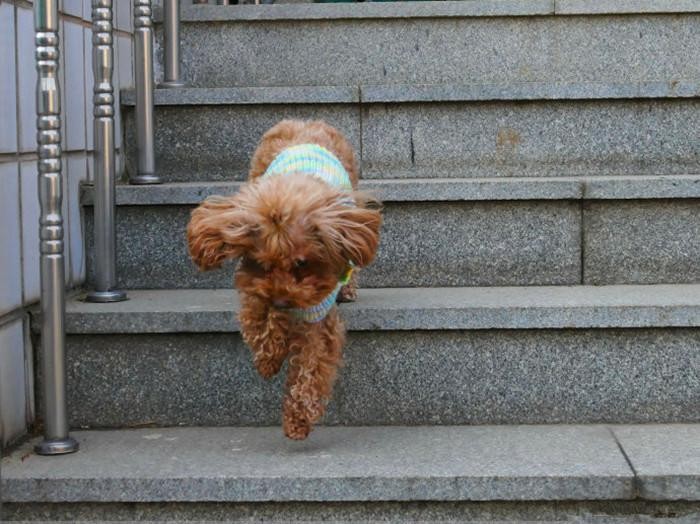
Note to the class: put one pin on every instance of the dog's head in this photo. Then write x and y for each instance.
(294, 236)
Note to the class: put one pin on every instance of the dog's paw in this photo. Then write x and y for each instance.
(268, 367)
(296, 429)
(347, 294)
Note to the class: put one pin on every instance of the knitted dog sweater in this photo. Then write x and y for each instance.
(316, 161)
(311, 159)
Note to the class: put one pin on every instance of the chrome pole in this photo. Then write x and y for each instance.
(48, 109)
(104, 164)
(171, 44)
(143, 78)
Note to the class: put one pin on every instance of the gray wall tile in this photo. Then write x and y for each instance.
(30, 231)
(26, 80)
(87, 9)
(122, 15)
(87, 36)
(8, 86)
(77, 172)
(13, 385)
(74, 89)
(126, 70)
(10, 246)
(73, 7)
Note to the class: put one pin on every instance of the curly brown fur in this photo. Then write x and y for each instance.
(294, 237)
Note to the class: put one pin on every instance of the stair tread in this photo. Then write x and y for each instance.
(420, 92)
(443, 189)
(554, 462)
(534, 307)
(455, 9)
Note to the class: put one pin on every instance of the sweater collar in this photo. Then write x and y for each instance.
(318, 312)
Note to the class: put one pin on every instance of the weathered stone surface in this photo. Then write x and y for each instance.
(398, 50)
(666, 459)
(527, 91)
(443, 140)
(641, 242)
(477, 244)
(528, 307)
(217, 142)
(396, 377)
(444, 189)
(258, 464)
(496, 139)
(618, 511)
(307, 11)
(642, 187)
(585, 7)
(468, 243)
(511, 91)
(250, 95)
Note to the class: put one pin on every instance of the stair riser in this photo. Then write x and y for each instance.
(623, 512)
(444, 140)
(440, 50)
(440, 377)
(433, 244)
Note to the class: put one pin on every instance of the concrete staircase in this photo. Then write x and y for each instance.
(540, 265)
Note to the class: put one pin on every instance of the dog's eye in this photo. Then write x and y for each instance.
(252, 265)
(300, 263)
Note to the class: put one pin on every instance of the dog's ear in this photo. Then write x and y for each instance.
(351, 232)
(219, 229)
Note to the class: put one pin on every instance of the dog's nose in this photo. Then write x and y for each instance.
(280, 303)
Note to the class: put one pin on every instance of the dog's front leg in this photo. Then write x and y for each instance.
(316, 356)
(265, 330)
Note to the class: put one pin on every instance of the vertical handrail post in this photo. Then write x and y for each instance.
(171, 44)
(104, 161)
(48, 108)
(143, 79)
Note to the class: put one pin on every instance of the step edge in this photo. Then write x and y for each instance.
(553, 481)
(673, 88)
(624, 7)
(639, 187)
(474, 9)
(576, 307)
(365, 11)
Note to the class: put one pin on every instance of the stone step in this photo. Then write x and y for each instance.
(458, 232)
(480, 41)
(626, 354)
(444, 131)
(364, 474)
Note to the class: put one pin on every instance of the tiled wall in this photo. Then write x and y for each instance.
(19, 204)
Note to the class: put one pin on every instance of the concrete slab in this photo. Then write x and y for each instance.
(547, 307)
(666, 459)
(334, 464)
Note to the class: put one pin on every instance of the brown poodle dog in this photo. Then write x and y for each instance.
(299, 228)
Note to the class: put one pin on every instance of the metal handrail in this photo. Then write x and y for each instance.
(143, 80)
(46, 22)
(171, 44)
(53, 340)
(104, 161)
